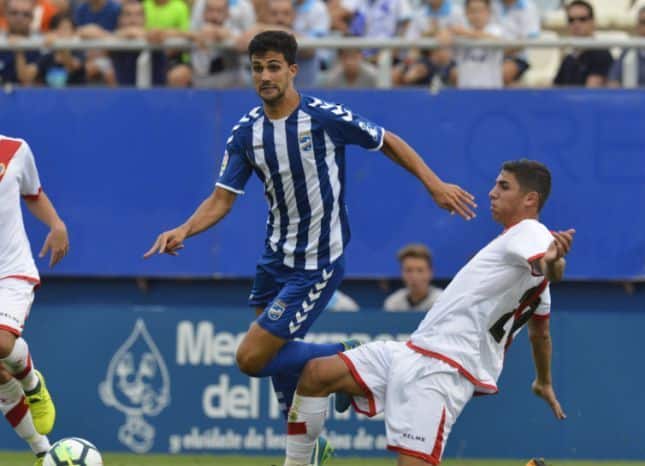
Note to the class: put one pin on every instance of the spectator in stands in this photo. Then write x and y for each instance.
(44, 12)
(420, 67)
(588, 68)
(376, 18)
(240, 16)
(637, 55)
(103, 14)
(19, 67)
(479, 67)
(342, 302)
(166, 19)
(215, 68)
(261, 10)
(417, 274)
(519, 19)
(352, 70)
(61, 68)
(303, 19)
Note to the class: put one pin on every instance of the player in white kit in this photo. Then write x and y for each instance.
(458, 349)
(24, 398)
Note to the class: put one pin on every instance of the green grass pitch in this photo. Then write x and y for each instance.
(23, 459)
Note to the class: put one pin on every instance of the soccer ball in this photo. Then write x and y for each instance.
(75, 451)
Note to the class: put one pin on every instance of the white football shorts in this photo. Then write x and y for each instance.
(16, 297)
(421, 396)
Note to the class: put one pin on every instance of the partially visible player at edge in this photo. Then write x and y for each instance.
(458, 349)
(296, 146)
(24, 398)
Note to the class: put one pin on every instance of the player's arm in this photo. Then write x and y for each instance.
(213, 209)
(540, 337)
(57, 240)
(553, 262)
(448, 196)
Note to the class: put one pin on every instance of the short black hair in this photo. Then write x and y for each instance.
(583, 3)
(274, 41)
(59, 18)
(532, 176)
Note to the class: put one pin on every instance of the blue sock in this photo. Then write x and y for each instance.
(293, 356)
(284, 386)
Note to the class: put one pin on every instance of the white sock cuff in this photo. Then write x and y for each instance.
(310, 404)
(11, 391)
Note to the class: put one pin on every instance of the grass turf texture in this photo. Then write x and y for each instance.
(24, 459)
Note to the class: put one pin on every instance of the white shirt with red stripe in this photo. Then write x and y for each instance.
(18, 177)
(475, 319)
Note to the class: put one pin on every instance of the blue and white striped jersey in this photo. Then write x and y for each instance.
(301, 161)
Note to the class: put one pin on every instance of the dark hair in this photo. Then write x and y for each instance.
(532, 176)
(487, 2)
(417, 251)
(583, 3)
(274, 41)
(59, 18)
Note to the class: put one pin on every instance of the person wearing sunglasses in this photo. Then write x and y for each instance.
(19, 67)
(588, 68)
(617, 70)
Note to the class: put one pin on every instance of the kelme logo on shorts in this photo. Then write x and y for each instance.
(276, 310)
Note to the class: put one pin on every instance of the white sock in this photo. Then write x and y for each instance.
(306, 422)
(19, 364)
(15, 410)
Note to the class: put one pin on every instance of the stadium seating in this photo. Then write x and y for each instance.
(544, 63)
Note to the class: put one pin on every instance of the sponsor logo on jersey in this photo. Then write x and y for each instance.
(306, 143)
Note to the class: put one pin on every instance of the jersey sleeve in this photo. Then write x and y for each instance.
(349, 128)
(543, 310)
(29, 179)
(528, 245)
(236, 168)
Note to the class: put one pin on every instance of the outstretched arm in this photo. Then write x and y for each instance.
(448, 196)
(57, 240)
(213, 209)
(553, 262)
(540, 337)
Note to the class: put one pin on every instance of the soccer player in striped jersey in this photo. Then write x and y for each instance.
(296, 145)
(24, 398)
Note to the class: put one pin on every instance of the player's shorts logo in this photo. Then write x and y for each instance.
(276, 310)
(137, 383)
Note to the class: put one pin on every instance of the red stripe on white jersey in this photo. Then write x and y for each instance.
(414, 454)
(361, 383)
(8, 148)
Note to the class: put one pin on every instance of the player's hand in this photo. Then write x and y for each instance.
(454, 199)
(546, 392)
(169, 242)
(57, 242)
(560, 246)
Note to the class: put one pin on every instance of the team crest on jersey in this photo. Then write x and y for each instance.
(276, 310)
(306, 143)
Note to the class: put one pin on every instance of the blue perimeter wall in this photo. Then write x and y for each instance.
(122, 165)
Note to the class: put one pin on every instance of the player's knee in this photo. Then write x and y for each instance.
(249, 362)
(7, 342)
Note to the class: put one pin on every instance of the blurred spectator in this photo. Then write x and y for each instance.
(421, 67)
(377, 18)
(519, 19)
(102, 14)
(433, 16)
(19, 67)
(215, 68)
(261, 10)
(295, 18)
(479, 67)
(342, 302)
(61, 68)
(351, 71)
(587, 67)
(417, 274)
(636, 55)
(166, 19)
(241, 15)
(44, 12)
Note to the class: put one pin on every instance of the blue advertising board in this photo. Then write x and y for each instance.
(163, 379)
(124, 165)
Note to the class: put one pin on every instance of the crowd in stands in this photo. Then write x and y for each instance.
(208, 22)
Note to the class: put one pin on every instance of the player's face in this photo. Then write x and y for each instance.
(272, 75)
(507, 199)
(416, 274)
